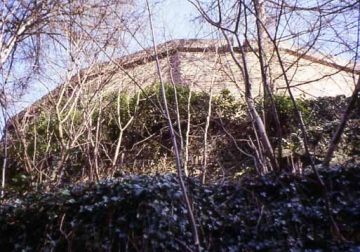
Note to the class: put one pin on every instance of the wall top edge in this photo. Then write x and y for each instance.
(220, 46)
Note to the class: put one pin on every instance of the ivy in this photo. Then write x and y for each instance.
(275, 212)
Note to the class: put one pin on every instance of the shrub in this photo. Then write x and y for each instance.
(277, 212)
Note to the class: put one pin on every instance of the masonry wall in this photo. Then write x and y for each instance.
(130, 80)
(205, 65)
(311, 79)
(211, 70)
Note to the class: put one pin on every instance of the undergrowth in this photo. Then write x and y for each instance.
(276, 212)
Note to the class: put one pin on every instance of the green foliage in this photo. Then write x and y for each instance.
(151, 129)
(115, 103)
(35, 154)
(266, 213)
(321, 117)
(228, 107)
(325, 109)
(285, 108)
(38, 153)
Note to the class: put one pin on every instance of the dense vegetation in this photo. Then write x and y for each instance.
(134, 203)
(85, 169)
(38, 153)
(129, 135)
(277, 212)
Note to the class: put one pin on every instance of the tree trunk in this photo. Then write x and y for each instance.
(340, 129)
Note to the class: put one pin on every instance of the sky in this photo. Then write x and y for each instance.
(172, 20)
(175, 19)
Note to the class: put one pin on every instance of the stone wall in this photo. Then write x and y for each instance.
(313, 77)
(206, 65)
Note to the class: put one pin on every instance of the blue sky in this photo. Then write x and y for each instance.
(173, 19)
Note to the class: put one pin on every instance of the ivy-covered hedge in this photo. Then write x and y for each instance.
(277, 212)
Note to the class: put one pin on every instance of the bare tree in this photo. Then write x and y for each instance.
(57, 39)
(19, 31)
(231, 27)
(308, 27)
(174, 142)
